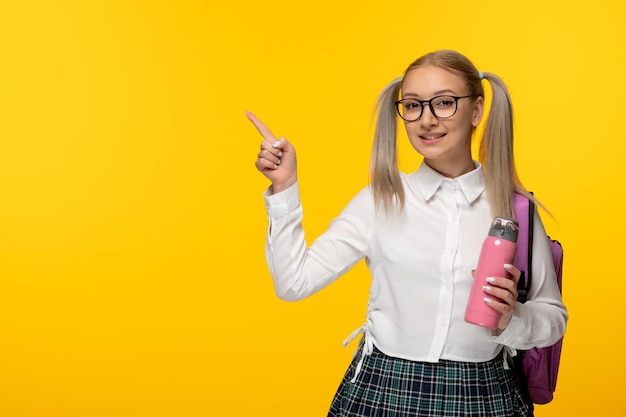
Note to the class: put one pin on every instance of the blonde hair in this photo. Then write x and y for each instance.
(496, 146)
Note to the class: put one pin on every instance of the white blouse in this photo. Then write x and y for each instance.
(421, 262)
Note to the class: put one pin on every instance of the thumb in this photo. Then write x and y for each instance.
(284, 145)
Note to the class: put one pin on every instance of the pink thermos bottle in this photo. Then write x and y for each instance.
(498, 249)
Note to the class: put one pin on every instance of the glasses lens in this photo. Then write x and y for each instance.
(410, 109)
(444, 106)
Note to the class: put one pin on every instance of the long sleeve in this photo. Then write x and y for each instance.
(541, 321)
(297, 270)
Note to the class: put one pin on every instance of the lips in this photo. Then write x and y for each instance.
(431, 136)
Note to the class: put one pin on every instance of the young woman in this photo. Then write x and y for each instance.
(421, 235)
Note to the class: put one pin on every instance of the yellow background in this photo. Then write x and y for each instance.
(132, 225)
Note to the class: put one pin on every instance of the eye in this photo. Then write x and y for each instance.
(444, 102)
(412, 105)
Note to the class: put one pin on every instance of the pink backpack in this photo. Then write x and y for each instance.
(540, 366)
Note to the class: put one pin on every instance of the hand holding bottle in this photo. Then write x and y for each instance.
(503, 295)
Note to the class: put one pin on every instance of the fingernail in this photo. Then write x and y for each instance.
(490, 279)
(508, 265)
(275, 166)
(278, 163)
(280, 154)
(487, 300)
(486, 288)
(276, 144)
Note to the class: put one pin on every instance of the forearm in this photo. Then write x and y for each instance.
(298, 270)
(535, 325)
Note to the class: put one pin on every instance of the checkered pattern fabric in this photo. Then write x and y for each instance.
(393, 387)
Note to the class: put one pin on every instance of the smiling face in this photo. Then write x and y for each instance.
(445, 144)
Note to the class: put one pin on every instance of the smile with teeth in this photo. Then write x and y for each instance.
(432, 136)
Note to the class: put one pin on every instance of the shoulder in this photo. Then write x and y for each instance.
(362, 201)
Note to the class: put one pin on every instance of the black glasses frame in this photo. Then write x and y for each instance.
(430, 105)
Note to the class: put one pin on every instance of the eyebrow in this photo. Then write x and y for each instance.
(436, 93)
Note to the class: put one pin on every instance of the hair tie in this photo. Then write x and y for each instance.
(480, 75)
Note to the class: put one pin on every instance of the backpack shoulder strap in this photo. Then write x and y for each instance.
(524, 214)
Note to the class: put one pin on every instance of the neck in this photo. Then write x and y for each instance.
(452, 170)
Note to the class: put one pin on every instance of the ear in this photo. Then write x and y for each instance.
(477, 115)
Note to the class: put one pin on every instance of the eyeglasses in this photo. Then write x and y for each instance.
(442, 107)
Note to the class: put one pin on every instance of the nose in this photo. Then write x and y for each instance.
(428, 117)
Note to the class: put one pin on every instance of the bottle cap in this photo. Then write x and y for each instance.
(504, 228)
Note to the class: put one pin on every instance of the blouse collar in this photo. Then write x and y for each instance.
(472, 184)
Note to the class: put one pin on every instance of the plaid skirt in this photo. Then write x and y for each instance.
(394, 387)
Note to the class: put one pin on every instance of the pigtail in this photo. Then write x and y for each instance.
(385, 178)
(496, 151)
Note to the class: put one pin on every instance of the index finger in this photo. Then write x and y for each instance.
(263, 130)
(515, 273)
